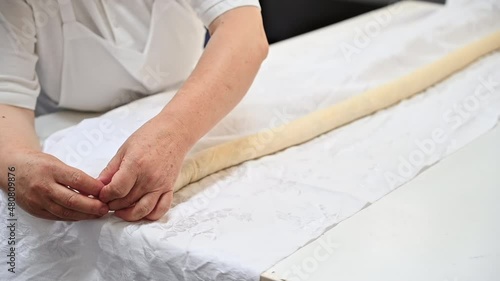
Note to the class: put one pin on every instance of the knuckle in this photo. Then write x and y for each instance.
(116, 192)
(128, 201)
(70, 202)
(56, 210)
(39, 185)
(147, 178)
(76, 178)
(92, 208)
(31, 203)
(143, 211)
(46, 166)
(65, 213)
(167, 187)
(50, 167)
(42, 188)
(136, 163)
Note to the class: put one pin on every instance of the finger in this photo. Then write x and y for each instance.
(81, 192)
(132, 197)
(141, 209)
(107, 174)
(42, 214)
(78, 202)
(76, 179)
(121, 183)
(67, 214)
(48, 216)
(162, 206)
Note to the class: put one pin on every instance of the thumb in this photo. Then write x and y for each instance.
(107, 174)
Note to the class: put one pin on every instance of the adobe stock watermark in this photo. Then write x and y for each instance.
(11, 219)
(92, 139)
(321, 253)
(154, 78)
(266, 136)
(281, 118)
(455, 117)
(364, 36)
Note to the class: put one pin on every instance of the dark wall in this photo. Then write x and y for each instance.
(288, 18)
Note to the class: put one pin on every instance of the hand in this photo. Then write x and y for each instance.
(42, 188)
(140, 178)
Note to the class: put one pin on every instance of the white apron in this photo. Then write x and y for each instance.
(117, 75)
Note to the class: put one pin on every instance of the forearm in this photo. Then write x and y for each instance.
(17, 127)
(223, 75)
(16, 132)
(39, 181)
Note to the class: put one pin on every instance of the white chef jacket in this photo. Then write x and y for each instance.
(41, 48)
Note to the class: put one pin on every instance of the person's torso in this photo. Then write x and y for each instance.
(98, 54)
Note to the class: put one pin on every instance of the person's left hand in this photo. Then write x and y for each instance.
(139, 180)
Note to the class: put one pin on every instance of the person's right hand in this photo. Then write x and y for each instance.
(42, 183)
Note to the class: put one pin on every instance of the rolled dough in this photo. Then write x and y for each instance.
(310, 126)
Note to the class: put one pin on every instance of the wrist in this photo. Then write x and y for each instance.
(8, 150)
(176, 131)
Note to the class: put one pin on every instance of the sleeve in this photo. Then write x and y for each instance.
(209, 10)
(19, 84)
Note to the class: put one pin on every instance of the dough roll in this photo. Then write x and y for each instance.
(312, 125)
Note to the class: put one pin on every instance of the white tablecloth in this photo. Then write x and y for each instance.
(235, 224)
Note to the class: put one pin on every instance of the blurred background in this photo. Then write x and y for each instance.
(288, 18)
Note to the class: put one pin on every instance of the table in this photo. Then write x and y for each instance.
(442, 226)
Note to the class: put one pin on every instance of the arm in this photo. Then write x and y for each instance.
(223, 75)
(18, 131)
(40, 180)
(37, 181)
(145, 168)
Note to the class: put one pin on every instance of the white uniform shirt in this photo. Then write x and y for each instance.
(33, 45)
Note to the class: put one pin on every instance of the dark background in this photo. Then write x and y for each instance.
(287, 18)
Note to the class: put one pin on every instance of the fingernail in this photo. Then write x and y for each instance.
(103, 211)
